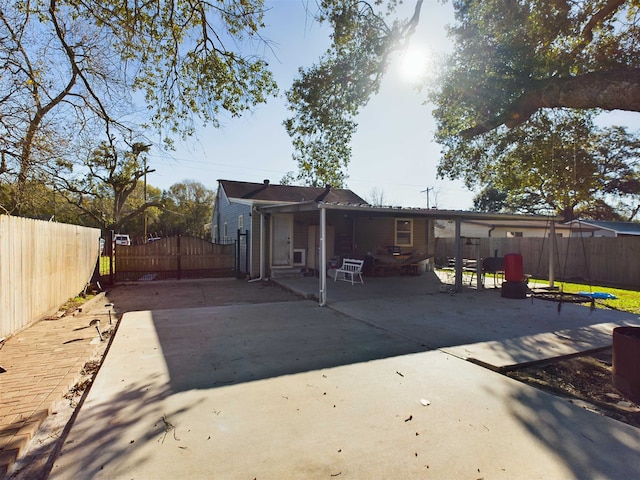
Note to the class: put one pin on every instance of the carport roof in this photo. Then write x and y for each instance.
(371, 210)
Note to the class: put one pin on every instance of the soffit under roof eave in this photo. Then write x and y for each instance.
(288, 207)
(524, 223)
(399, 211)
(434, 213)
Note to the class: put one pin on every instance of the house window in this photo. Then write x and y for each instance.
(514, 234)
(404, 232)
(240, 222)
(214, 234)
(225, 232)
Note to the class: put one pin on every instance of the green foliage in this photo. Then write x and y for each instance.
(626, 301)
(70, 67)
(109, 176)
(188, 208)
(560, 163)
(511, 63)
(490, 199)
(511, 59)
(326, 98)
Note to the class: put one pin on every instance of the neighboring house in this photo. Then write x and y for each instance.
(508, 228)
(283, 226)
(606, 229)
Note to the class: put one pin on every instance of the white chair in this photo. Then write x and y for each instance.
(349, 270)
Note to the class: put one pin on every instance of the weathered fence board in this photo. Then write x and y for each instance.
(42, 265)
(174, 257)
(611, 261)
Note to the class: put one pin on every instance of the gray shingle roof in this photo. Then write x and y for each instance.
(622, 228)
(268, 192)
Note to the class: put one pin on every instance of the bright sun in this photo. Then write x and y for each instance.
(414, 63)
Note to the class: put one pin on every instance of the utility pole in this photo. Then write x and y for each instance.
(427, 190)
(145, 200)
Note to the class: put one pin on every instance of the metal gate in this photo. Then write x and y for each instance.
(242, 254)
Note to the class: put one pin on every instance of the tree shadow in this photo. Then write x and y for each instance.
(230, 345)
(137, 409)
(589, 444)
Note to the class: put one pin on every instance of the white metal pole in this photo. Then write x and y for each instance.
(323, 257)
(552, 253)
(458, 266)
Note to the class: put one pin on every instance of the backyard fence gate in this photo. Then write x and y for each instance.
(172, 258)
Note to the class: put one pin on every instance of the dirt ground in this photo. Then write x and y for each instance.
(585, 378)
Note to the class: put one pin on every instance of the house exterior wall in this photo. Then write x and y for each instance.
(601, 233)
(378, 233)
(226, 216)
(447, 229)
(226, 212)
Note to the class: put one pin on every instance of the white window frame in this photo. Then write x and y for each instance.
(240, 222)
(398, 241)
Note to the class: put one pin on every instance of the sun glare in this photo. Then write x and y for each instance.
(414, 63)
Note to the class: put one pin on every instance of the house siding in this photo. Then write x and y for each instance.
(375, 234)
(229, 212)
(230, 216)
(447, 229)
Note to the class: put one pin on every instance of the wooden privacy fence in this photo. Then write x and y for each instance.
(611, 261)
(42, 265)
(174, 257)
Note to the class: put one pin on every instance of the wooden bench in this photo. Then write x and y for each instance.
(349, 270)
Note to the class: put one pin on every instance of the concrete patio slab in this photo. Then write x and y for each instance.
(291, 390)
(478, 325)
(503, 354)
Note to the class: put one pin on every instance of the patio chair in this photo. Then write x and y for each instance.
(349, 270)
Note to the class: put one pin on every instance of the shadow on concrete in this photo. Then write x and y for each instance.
(218, 346)
(589, 445)
(167, 363)
(161, 295)
(251, 331)
(133, 410)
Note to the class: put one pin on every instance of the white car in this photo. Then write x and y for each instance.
(122, 239)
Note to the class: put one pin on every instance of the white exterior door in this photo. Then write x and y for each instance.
(281, 233)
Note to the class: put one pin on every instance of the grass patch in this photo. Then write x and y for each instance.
(104, 265)
(627, 300)
(75, 303)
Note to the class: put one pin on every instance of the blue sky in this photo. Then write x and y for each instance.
(393, 150)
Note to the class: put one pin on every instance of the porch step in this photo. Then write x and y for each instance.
(286, 273)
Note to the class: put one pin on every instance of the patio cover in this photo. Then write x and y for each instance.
(369, 210)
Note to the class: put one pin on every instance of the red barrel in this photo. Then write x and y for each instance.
(513, 271)
(626, 361)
